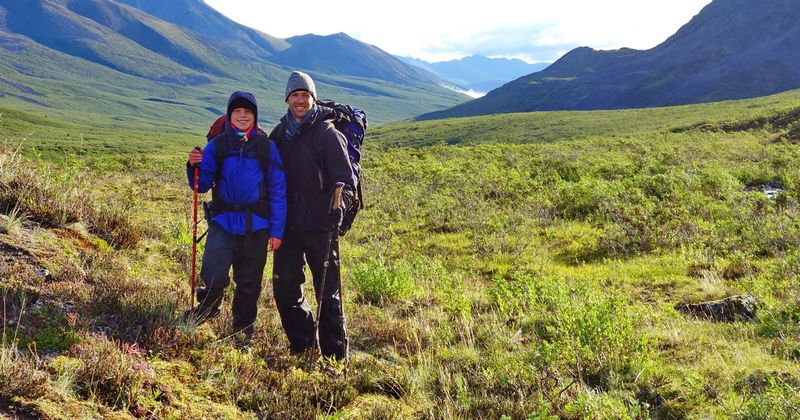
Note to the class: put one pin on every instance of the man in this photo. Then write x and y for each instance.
(315, 159)
(247, 213)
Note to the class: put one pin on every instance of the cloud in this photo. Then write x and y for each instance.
(538, 30)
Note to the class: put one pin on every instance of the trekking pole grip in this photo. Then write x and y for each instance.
(336, 200)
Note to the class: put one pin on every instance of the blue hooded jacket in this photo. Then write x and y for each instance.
(242, 180)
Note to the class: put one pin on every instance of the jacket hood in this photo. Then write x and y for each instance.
(240, 96)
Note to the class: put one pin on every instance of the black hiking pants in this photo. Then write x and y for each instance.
(247, 254)
(287, 280)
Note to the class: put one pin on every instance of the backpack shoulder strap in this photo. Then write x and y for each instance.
(221, 150)
(276, 134)
(220, 153)
(263, 148)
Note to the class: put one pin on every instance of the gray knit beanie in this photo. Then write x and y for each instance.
(300, 81)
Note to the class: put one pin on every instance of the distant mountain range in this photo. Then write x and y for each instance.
(144, 59)
(732, 49)
(476, 72)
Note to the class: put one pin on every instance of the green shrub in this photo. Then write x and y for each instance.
(378, 282)
(592, 334)
(600, 405)
(52, 340)
(779, 400)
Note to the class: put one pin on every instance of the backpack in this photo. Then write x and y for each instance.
(352, 123)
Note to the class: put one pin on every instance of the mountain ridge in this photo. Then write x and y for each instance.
(476, 72)
(175, 65)
(732, 49)
(324, 52)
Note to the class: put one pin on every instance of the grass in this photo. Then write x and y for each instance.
(481, 281)
(545, 127)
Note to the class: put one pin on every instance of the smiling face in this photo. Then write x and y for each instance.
(242, 118)
(300, 102)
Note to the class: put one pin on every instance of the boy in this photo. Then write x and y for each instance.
(246, 215)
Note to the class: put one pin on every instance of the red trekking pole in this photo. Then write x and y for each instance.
(194, 232)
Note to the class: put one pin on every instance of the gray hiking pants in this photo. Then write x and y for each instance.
(247, 254)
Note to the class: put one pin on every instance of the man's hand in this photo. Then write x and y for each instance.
(335, 217)
(274, 244)
(195, 156)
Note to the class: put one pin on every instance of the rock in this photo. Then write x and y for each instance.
(770, 190)
(43, 273)
(730, 309)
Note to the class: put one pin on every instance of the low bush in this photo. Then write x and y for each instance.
(579, 329)
(779, 400)
(111, 373)
(20, 376)
(378, 282)
(115, 225)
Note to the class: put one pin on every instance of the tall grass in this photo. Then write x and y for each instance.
(480, 281)
(56, 195)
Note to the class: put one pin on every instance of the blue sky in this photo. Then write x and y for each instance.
(532, 30)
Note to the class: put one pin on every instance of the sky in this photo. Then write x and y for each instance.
(440, 30)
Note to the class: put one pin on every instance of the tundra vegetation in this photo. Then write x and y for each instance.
(527, 278)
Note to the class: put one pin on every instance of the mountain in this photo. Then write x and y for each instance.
(325, 53)
(732, 49)
(200, 18)
(110, 34)
(477, 72)
(143, 59)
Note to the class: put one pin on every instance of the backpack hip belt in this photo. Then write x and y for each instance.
(259, 208)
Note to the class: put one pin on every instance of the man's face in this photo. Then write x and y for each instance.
(242, 118)
(300, 102)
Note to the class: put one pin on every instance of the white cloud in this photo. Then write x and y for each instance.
(472, 93)
(448, 29)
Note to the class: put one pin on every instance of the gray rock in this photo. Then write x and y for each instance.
(730, 309)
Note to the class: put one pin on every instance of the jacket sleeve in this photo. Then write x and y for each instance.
(337, 163)
(276, 185)
(208, 169)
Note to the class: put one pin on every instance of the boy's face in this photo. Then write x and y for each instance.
(242, 118)
(300, 102)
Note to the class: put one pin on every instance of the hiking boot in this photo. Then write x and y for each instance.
(209, 300)
(242, 340)
(200, 315)
(300, 352)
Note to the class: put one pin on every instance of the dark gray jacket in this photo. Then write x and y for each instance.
(314, 160)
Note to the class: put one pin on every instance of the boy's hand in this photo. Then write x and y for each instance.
(274, 244)
(195, 156)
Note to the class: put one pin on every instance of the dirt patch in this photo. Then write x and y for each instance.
(78, 236)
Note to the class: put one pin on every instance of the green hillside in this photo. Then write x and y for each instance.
(544, 127)
(545, 278)
(31, 80)
(86, 61)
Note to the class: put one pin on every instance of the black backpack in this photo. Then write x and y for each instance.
(352, 123)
